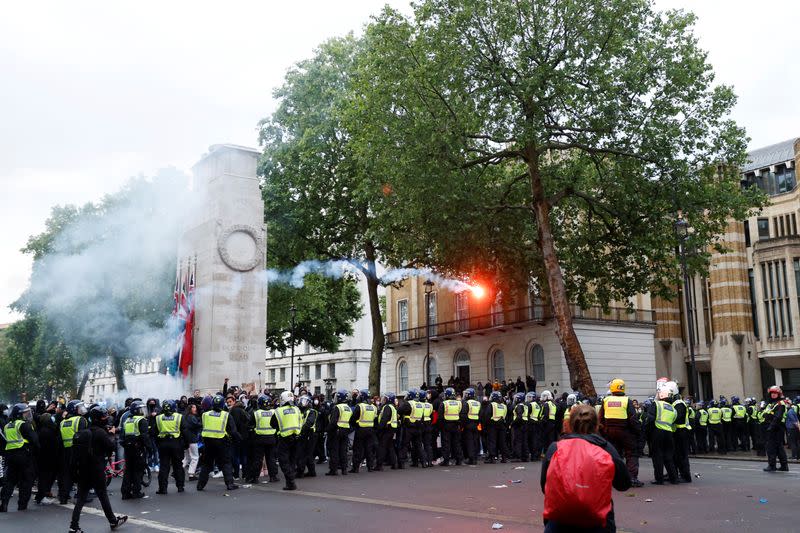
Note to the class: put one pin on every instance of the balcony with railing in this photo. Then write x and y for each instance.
(516, 318)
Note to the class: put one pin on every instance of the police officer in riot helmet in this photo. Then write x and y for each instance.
(21, 443)
(338, 430)
(264, 441)
(136, 442)
(90, 449)
(218, 431)
(385, 431)
(169, 431)
(72, 424)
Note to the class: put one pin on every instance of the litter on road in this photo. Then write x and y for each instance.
(499, 486)
(497, 525)
(649, 500)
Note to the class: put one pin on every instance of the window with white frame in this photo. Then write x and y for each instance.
(432, 314)
(498, 365)
(402, 319)
(537, 362)
(402, 376)
(462, 310)
(431, 370)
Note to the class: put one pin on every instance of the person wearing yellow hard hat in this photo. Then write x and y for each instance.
(620, 426)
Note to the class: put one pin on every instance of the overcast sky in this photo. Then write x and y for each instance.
(92, 93)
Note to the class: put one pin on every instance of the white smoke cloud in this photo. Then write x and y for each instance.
(108, 282)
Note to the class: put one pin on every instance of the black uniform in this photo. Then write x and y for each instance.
(519, 431)
(218, 451)
(364, 443)
(136, 447)
(307, 444)
(287, 450)
(450, 430)
(385, 433)
(774, 429)
(338, 440)
(682, 441)
(662, 449)
(90, 475)
(495, 430)
(47, 460)
(470, 438)
(263, 447)
(20, 468)
(170, 453)
(67, 480)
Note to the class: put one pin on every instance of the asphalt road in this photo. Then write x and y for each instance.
(726, 497)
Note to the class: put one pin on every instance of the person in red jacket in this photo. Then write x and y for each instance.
(583, 426)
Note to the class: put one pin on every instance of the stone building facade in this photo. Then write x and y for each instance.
(478, 339)
(746, 312)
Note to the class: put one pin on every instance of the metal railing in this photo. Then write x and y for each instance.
(502, 320)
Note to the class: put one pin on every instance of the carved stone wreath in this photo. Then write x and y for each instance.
(241, 264)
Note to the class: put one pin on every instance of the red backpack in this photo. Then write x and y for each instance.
(577, 491)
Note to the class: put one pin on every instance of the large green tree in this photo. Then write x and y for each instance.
(593, 121)
(319, 198)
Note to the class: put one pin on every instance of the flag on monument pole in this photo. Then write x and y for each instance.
(188, 340)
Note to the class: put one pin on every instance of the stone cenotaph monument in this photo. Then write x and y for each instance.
(225, 243)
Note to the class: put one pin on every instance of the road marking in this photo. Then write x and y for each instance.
(410, 506)
(152, 524)
(761, 470)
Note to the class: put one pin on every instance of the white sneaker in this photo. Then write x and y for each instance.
(47, 501)
(216, 475)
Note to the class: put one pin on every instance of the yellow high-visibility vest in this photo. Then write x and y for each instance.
(534, 412)
(131, 426)
(367, 413)
(215, 425)
(498, 411)
(393, 420)
(665, 416)
(169, 426)
(452, 410)
(288, 421)
(13, 434)
(345, 412)
(264, 422)
(473, 409)
(69, 427)
(615, 407)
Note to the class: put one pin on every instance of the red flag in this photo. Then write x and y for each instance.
(188, 344)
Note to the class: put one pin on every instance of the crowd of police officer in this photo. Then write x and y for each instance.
(420, 429)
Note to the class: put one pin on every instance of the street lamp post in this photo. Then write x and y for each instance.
(293, 311)
(683, 231)
(428, 290)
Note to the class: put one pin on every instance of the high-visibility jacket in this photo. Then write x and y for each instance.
(452, 410)
(473, 409)
(345, 412)
(13, 435)
(703, 417)
(665, 416)
(727, 414)
(263, 419)
(68, 428)
(567, 411)
(739, 412)
(534, 412)
(498, 411)
(427, 412)
(288, 417)
(131, 426)
(416, 412)
(524, 416)
(393, 420)
(714, 415)
(752, 412)
(615, 407)
(366, 416)
(551, 409)
(685, 423)
(215, 425)
(169, 426)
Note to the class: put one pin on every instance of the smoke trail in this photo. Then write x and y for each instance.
(106, 282)
(338, 268)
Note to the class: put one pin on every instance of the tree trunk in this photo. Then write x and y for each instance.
(378, 339)
(82, 385)
(119, 371)
(579, 376)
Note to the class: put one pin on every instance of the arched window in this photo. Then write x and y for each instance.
(461, 363)
(537, 362)
(499, 365)
(402, 376)
(431, 370)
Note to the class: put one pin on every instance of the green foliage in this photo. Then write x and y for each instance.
(609, 104)
(325, 311)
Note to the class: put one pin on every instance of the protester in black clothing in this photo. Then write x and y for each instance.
(47, 460)
(91, 448)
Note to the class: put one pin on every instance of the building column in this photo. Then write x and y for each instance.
(670, 349)
(734, 362)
